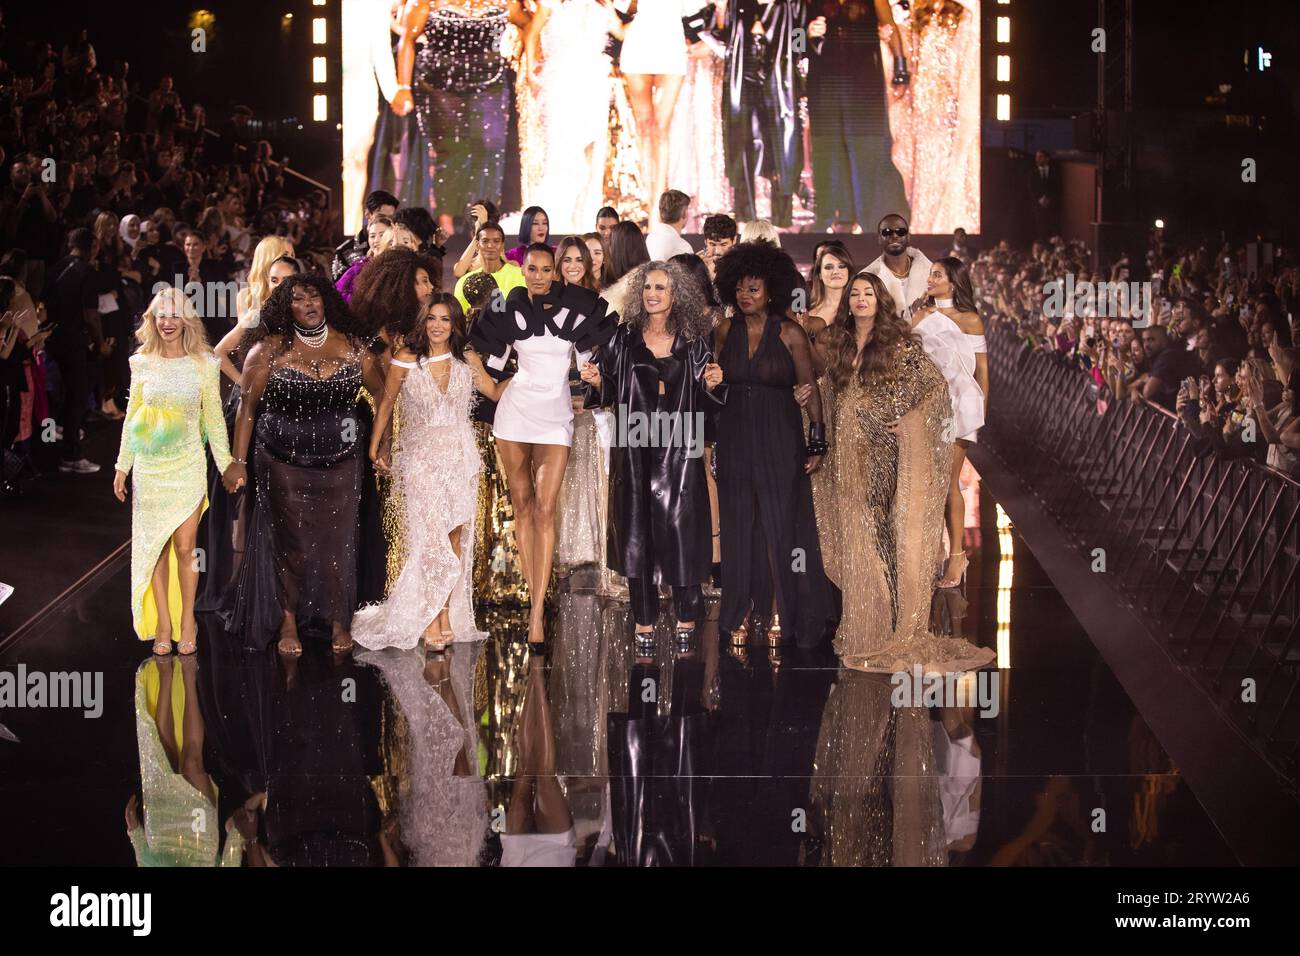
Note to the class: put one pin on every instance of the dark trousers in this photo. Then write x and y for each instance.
(688, 601)
(756, 125)
(74, 372)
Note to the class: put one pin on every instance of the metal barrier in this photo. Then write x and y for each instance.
(1206, 549)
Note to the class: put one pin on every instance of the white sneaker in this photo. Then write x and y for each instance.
(81, 466)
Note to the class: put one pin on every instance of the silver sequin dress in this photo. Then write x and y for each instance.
(436, 463)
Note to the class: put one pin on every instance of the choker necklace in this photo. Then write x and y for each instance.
(943, 303)
(312, 338)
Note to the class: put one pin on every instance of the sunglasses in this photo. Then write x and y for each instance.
(887, 233)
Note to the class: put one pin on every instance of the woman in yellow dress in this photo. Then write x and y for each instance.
(173, 410)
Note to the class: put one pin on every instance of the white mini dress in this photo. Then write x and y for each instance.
(536, 407)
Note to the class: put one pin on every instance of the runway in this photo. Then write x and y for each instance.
(1065, 772)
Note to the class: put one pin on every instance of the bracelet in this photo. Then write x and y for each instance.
(239, 461)
(817, 444)
(404, 87)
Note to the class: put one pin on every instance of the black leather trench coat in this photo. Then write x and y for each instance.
(658, 525)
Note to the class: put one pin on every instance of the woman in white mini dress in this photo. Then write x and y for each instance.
(953, 336)
(544, 323)
(653, 64)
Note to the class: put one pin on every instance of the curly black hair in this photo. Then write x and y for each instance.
(761, 261)
(383, 297)
(276, 317)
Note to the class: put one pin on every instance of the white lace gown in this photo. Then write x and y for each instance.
(954, 352)
(436, 464)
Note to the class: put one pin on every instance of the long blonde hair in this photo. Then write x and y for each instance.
(258, 290)
(193, 339)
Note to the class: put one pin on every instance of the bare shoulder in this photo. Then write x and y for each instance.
(969, 322)
(792, 333)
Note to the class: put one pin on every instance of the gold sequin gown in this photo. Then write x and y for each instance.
(174, 409)
(581, 526)
(936, 124)
(880, 501)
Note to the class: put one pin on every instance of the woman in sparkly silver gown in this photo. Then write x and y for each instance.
(436, 462)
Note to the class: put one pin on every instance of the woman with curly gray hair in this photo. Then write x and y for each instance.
(658, 373)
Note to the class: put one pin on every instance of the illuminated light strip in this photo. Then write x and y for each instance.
(318, 31)
(1004, 29)
(1004, 68)
(1006, 576)
(320, 107)
(318, 72)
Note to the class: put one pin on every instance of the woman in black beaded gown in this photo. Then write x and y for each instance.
(768, 529)
(456, 81)
(301, 379)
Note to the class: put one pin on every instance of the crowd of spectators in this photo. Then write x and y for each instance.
(108, 189)
(1210, 338)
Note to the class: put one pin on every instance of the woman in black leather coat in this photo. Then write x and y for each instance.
(658, 372)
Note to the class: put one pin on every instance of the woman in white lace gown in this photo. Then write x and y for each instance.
(953, 336)
(436, 462)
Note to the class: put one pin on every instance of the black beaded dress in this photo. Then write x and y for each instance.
(310, 441)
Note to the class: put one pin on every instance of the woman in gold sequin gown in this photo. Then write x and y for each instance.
(936, 125)
(880, 497)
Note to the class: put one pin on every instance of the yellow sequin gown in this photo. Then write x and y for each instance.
(174, 410)
(880, 501)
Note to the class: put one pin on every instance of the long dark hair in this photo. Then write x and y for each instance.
(526, 225)
(963, 292)
(626, 251)
(384, 295)
(696, 268)
(816, 288)
(417, 340)
(276, 316)
(888, 331)
(573, 242)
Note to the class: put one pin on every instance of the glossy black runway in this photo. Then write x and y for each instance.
(493, 757)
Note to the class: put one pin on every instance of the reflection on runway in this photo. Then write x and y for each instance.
(589, 755)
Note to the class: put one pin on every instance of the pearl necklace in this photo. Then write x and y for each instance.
(312, 338)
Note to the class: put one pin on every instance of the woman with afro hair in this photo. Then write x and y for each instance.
(306, 363)
(771, 560)
(388, 292)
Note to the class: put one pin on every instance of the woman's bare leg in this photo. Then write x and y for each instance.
(516, 459)
(641, 97)
(714, 519)
(955, 519)
(667, 88)
(163, 632)
(187, 570)
(549, 464)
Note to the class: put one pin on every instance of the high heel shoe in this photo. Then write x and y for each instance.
(684, 640)
(955, 574)
(644, 643)
(740, 644)
(775, 637)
